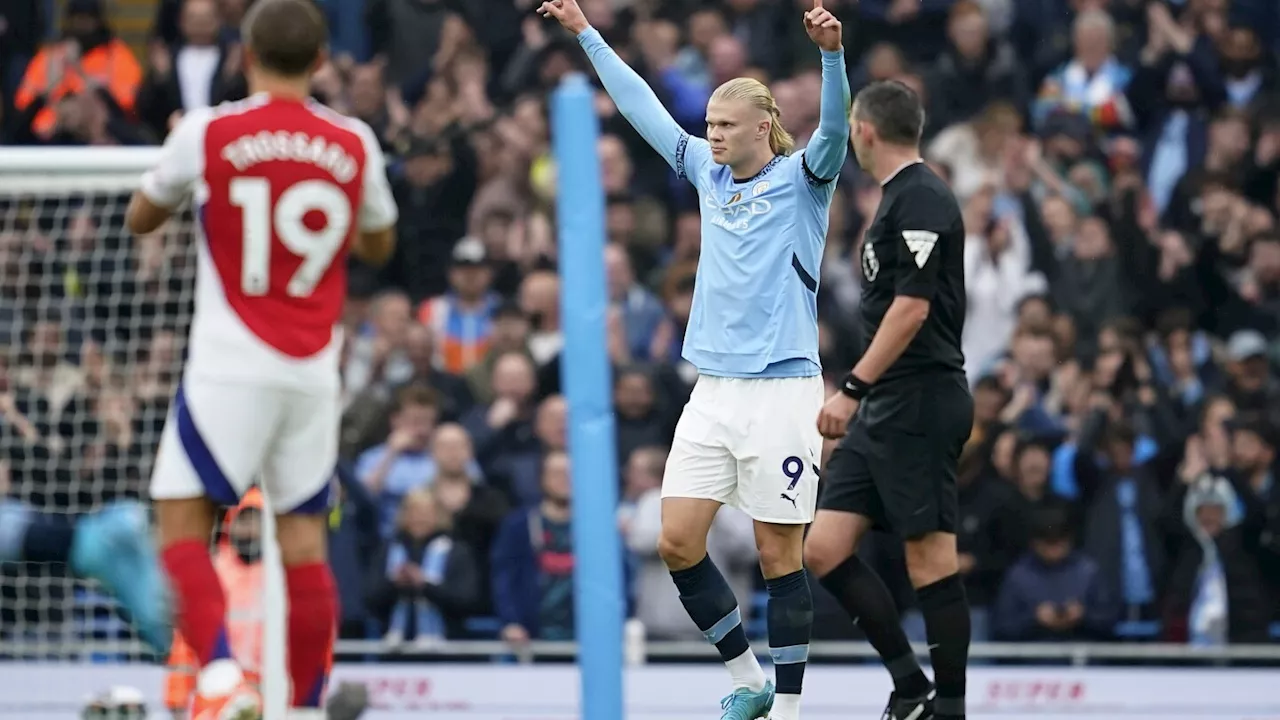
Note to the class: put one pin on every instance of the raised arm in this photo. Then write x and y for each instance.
(828, 147)
(633, 96)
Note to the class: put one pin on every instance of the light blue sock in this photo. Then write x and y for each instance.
(15, 518)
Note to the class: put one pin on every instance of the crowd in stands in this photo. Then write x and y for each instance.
(1118, 163)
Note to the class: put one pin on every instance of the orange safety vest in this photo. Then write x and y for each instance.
(111, 64)
(243, 587)
(245, 615)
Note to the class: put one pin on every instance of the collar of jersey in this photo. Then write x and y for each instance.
(767, 167)
(898, 172)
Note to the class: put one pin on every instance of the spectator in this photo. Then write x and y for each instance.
(1054, 592)
(510, 334)
(998, 276)
(476, 507)
(428, 581)
(365, 421)
(503, 429)
(191, 75)
(1249, 382)
(1174, 93)
(1249, 71)
(433, 185)
(1254, 451)
(1216, 593)
(640, 421)
(401, 464)
(354, 536)
(21, 28)
(975, 151)
(1031, 465)
(641, 311)
(1089, 284)
(706, 25)
(412, 35)
(377, 355)
(985, 537)
(533, 563)
(462, 319)
(368, 97)
(1122, 514)
(1093, 82)
(238, 563)
(540, 301)
(974, 70)
(919, 28)
(455, 395)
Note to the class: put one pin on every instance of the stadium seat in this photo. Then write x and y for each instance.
(1275, 631)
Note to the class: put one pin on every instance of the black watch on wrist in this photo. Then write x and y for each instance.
(854, 388)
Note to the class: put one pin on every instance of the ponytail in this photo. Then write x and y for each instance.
(780, 141)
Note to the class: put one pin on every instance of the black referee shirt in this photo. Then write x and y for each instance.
(915, 247)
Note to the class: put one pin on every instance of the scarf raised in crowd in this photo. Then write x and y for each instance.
(428, 621)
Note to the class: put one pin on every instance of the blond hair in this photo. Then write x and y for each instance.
(758, 96)
(444, 521)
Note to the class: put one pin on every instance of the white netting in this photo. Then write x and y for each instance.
(92, 329)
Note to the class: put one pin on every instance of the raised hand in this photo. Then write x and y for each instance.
(567, 12)
(823, 27)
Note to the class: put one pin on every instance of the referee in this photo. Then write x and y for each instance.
(895, 466)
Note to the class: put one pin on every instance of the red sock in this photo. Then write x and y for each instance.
(201, 605)
(313, 624)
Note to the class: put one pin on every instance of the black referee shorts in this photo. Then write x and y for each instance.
(897, 465)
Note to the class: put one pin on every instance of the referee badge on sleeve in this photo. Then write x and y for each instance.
(920, 243)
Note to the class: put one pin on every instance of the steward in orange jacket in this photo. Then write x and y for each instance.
(89, 57)
(238, 560)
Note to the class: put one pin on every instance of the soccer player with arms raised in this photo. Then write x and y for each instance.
(283, 189)
(895, 467)
(746, 437)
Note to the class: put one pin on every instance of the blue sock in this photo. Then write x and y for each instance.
(710, 603)
(33, 537)
(14, 519)
(790, 624)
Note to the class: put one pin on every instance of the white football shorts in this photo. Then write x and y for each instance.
(752, 443)
(221, 437)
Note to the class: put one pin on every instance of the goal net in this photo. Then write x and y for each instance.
(92, 327)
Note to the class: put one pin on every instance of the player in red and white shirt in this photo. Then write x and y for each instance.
(282, 189)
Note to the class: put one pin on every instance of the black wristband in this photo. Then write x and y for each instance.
(854, 388)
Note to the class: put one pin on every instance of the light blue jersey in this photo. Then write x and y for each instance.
(755, 311)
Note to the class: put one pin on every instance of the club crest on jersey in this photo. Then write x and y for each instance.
(759, 188)
(870, 263)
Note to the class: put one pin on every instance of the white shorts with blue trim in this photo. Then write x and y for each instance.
(752, 443)
(222, 437)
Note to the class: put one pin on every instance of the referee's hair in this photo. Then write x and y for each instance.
(893, 109)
